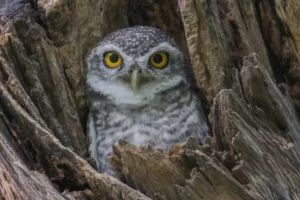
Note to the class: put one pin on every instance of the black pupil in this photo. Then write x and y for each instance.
(157, 58)
(113, 58)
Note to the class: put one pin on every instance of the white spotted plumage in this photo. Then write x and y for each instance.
(164, 111)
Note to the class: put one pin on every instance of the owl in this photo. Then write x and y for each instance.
(139, 90)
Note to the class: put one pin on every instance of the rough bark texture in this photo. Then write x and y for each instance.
(245, 57)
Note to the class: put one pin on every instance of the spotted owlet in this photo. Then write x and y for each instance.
(139, 91)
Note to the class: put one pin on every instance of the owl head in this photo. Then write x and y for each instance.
(133, 65)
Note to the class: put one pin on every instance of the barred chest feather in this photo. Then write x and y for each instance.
(164, 121)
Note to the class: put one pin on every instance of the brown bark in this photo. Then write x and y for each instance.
(245, 58)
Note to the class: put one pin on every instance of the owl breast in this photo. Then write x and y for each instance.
(161, 123)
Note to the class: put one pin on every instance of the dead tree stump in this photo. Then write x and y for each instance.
(245, 57)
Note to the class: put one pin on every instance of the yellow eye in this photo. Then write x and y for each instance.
(159, 59)
(112, 59)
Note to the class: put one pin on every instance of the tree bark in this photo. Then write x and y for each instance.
(245, 57)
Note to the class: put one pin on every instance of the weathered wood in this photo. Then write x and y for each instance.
(17, 181)
(260, 135)
(35, 78)
(254, 149)
(62, 163)
(280, 29)
(219, 34)
(186, 173)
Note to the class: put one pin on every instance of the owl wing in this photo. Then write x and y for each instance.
(203, 129)
(92, 138)
(191, 77)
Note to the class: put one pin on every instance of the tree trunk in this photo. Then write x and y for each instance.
(245, 57)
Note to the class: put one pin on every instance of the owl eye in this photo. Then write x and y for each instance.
(112, 59)
(159, 59)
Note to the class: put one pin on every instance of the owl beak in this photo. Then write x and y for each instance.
(135, 80)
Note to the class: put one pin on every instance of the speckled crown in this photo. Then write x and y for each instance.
(137, 40)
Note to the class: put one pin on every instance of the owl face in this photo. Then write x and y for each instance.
(132, 65)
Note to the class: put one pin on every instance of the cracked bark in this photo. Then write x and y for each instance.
(245, 59)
